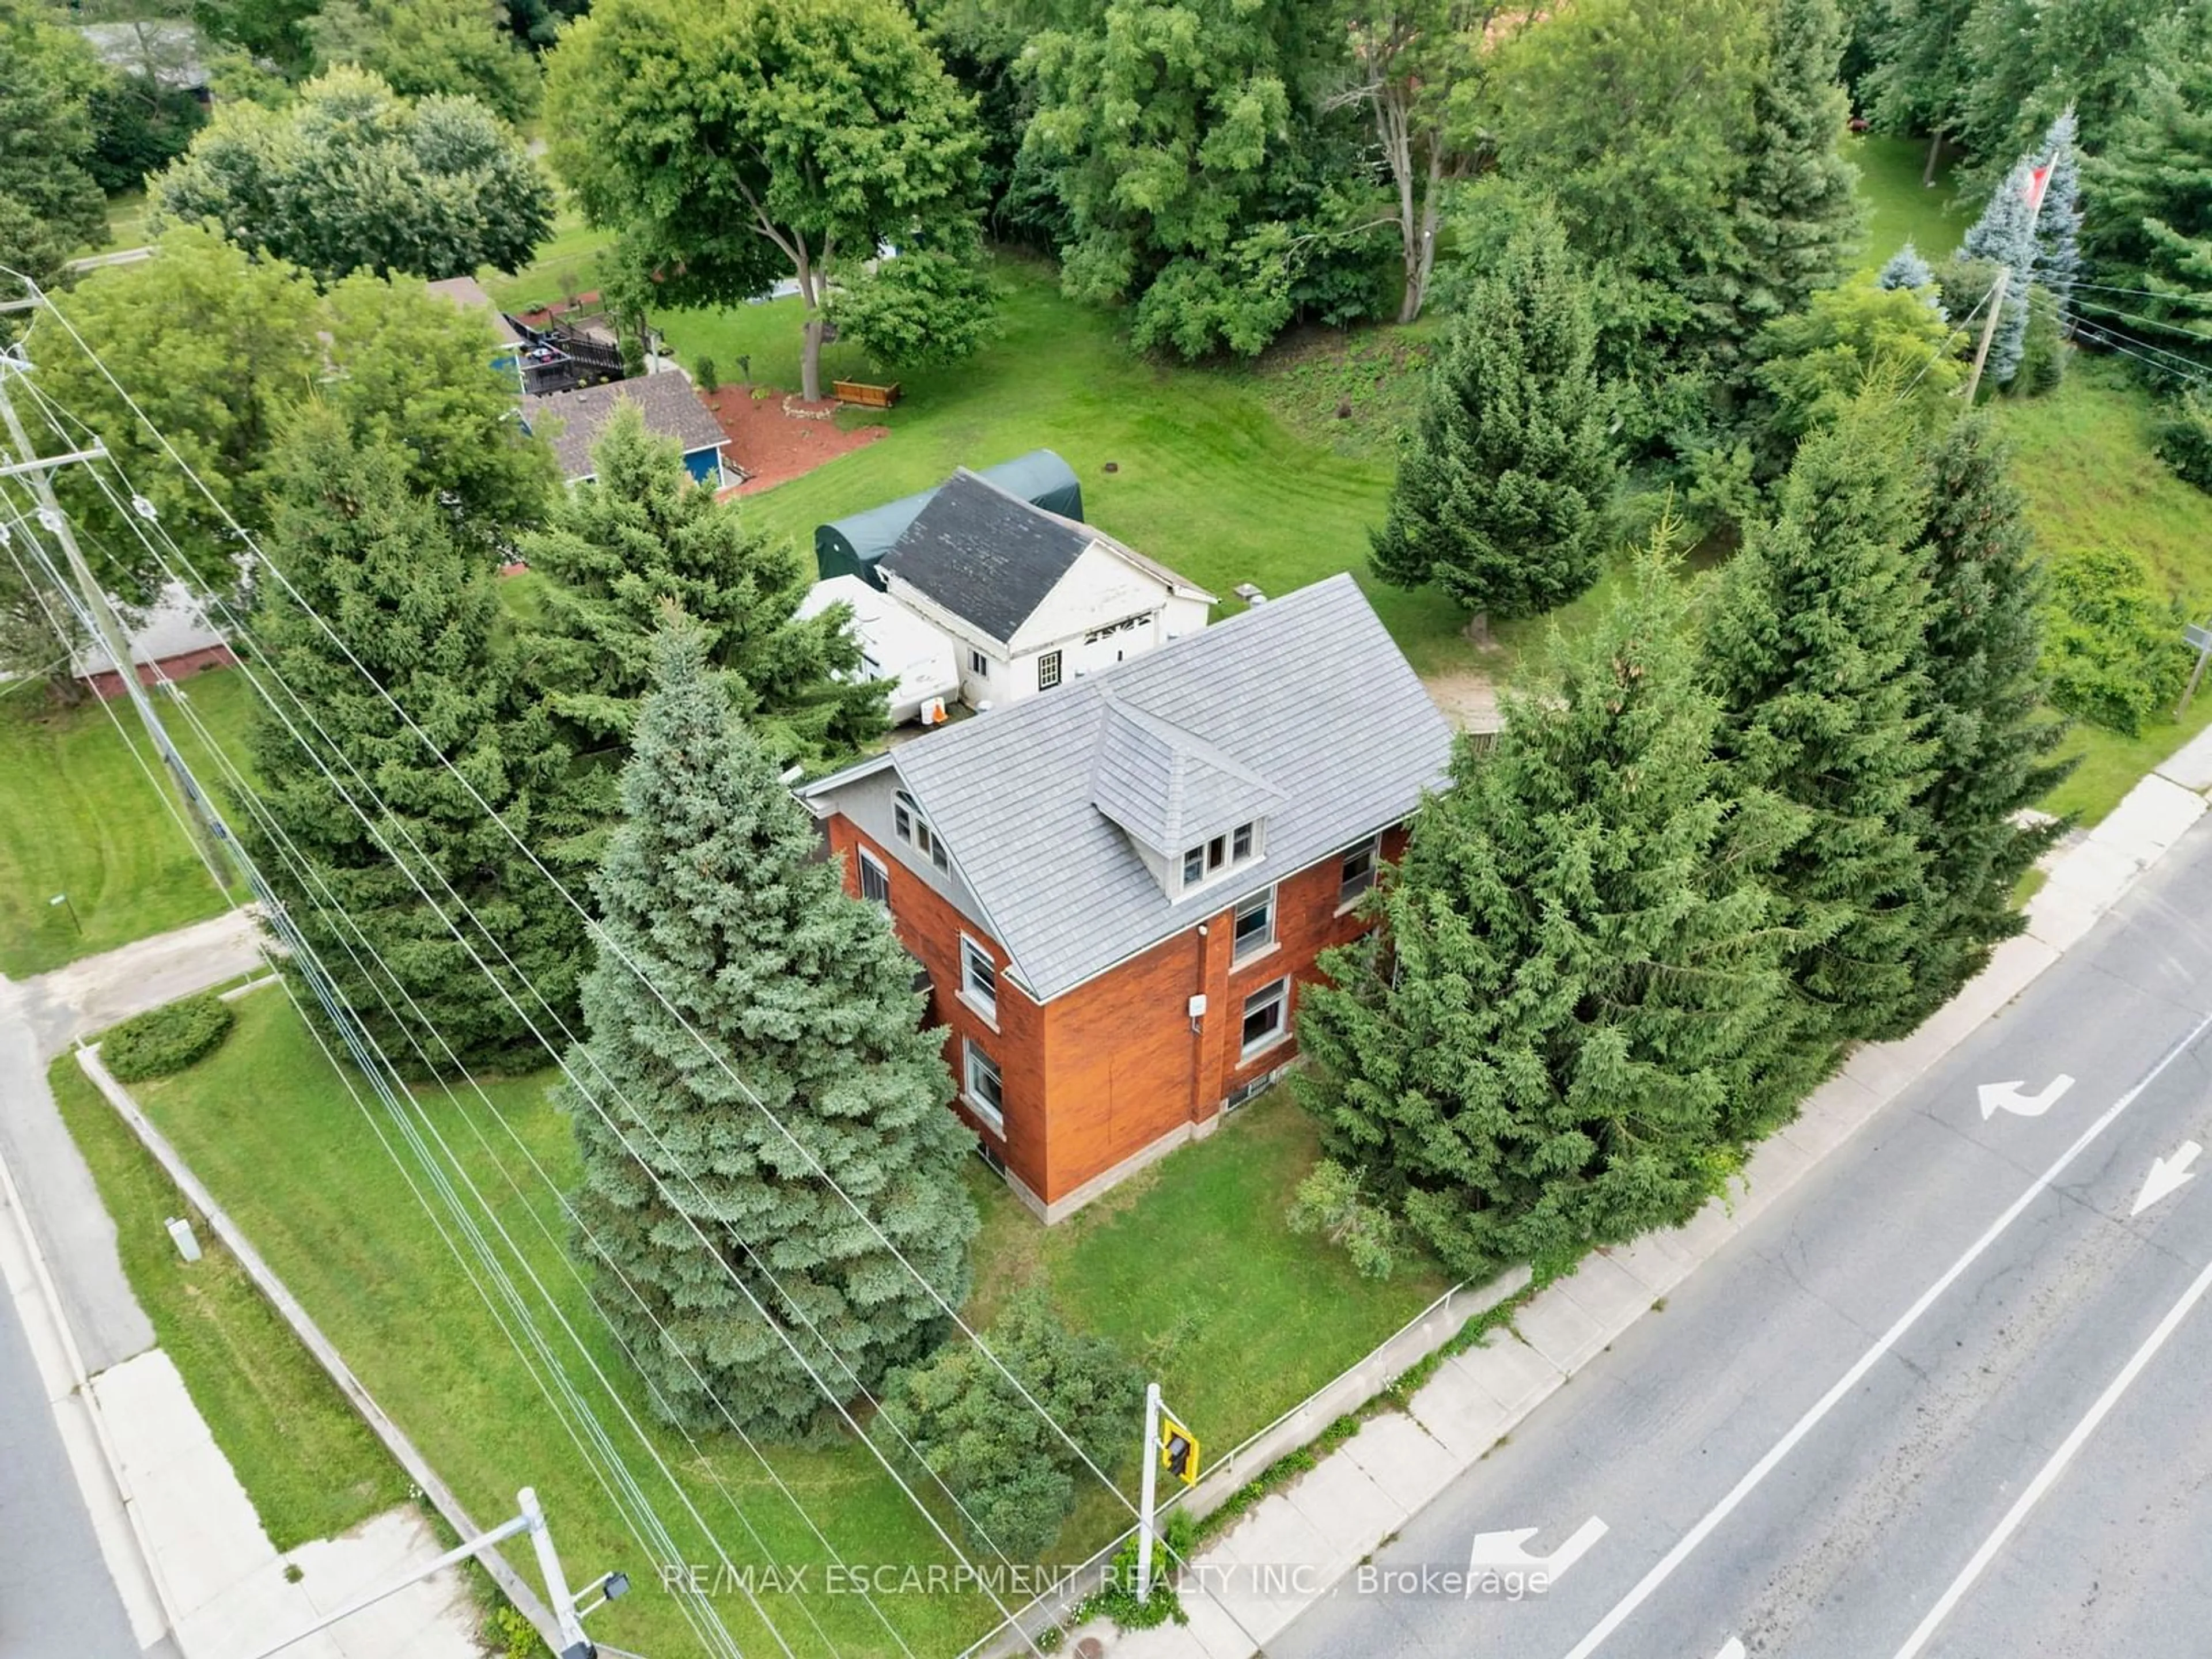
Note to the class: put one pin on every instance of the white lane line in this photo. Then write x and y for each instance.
(2048, 1475)
(1664, 1568)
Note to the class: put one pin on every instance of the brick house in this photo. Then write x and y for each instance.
(1117, 890)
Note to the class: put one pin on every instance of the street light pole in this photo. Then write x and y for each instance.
(1145, 1525)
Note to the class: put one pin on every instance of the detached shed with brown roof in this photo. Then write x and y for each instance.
(671, 408)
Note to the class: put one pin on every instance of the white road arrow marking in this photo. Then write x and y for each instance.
(1733, 1650)
(1502, 1551)
(2007, 1097)
(2166, 1177)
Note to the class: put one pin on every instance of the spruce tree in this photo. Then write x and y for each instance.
(1549, 1042)
(2149, 206)
(1983, 697)
(2004, 235)
(1906, 269)
(416, 611)
(1814, 645)
(1505, 485)
(1797, 220)
(2058, 226)
(713, 896)
(643, 534)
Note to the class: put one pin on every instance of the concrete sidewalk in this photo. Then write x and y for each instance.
(1286, 1554)
(195, 1572)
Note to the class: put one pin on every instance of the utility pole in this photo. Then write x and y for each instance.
(25, 462)
(566, 1616)
(1144, 1521)
(2037, 179)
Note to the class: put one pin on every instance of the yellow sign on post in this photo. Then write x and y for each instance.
(1178, 1451)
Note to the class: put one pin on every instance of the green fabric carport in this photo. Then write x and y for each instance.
(854, 546)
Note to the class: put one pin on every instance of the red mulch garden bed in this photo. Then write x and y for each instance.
(776, 438)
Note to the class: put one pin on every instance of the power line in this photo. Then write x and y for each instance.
(2147, 322)
(614, 948)
(612, 945)
(636, 1509)
(171, 570)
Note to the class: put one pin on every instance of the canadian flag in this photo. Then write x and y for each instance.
(2037, 178)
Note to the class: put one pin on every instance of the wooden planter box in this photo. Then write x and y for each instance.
(869, 396)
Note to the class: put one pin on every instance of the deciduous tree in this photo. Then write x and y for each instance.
(1552, 1039)
(47, 74)
(1505, 483)
(352, 177)
(746, 140)
(731, 1249)
(1017, 1479)
(459, 47)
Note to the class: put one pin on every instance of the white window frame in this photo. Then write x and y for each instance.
(912, 825)
(1217, 855)
(1373, 847)
(1049, 659)
(1242, 950)
(1278, 993)
(970, 1053)
(869, 866)
(985, 1003)
(978, 663)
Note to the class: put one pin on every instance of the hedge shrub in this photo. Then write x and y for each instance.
(167, 1040)
(2112, 640)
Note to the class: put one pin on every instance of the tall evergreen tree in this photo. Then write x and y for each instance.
(1549, 1042)
(2005, 235)
(1814, 644)
(2058, 226)
(1504, 485)
(640, 535)
(1983, 701)
(1797, 220)
(380, 565)
(1916, 85)
(2149, 215)
(713, 896)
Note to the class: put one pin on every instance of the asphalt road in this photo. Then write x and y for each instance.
(57, 1600)
(1949, 1397)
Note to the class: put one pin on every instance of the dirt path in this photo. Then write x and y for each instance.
(1469, 700)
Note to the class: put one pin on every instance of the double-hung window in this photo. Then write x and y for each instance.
(979, 664)
(908, 824)
(875, 880)
(1048, 670)
(979, 978)
(982, 1089)
(1265, 1012)
(1255, 924)
(1358, 870)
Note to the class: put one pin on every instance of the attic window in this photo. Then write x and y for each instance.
(912, 828)
(1209, 858)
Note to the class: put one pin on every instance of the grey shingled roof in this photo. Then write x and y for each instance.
(1169, 788)
(985, 554)
(1306, 694)
(671, 410)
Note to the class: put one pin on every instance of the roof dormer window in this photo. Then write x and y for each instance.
(1217, 855)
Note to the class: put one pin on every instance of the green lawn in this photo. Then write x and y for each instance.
(1206, 477)
(2083, 457)
(305, 1457)
(1188, 1266)
(77, 816)
(1899, 208)
(566, 265)
(126, 221)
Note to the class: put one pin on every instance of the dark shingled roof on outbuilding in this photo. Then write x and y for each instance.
(986, 554)
(671, 410)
